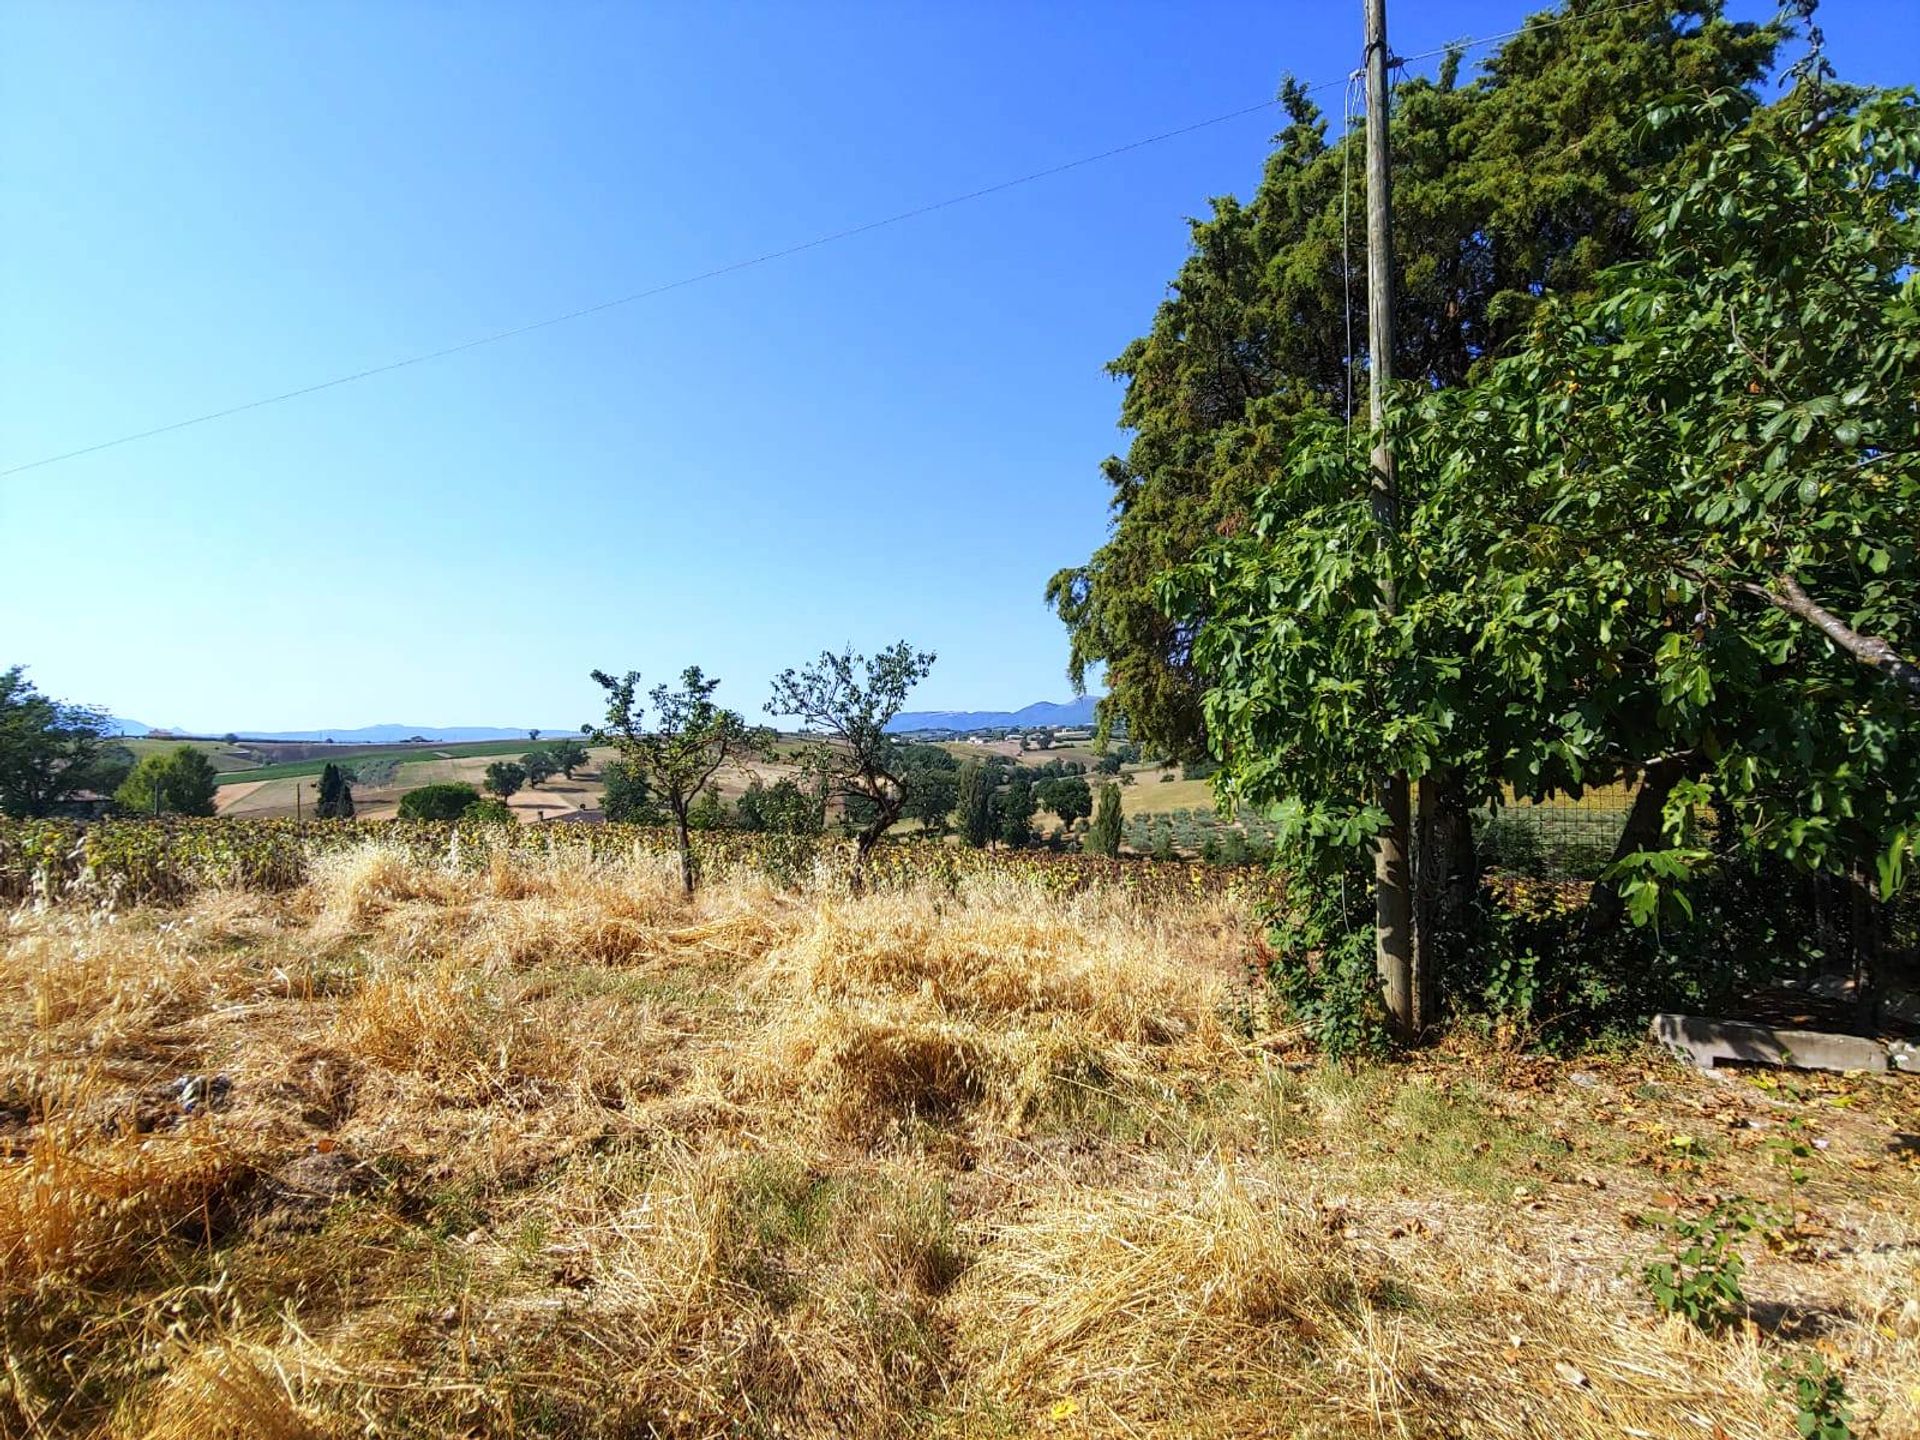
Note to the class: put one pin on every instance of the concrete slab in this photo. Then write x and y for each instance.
(1704, 1042)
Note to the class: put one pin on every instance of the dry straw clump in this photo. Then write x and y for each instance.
(899, 1009)
(1267, 1312)
(74, 1207)
(533, 1144)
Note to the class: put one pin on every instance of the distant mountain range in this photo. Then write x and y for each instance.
(365, 734)
(1075, 712)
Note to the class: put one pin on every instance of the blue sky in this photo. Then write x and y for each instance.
(895, 435)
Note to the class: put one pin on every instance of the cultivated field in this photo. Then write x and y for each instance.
(535, 1146)
(224, 757)
(270, 793)
(1150, 795)
(273, 798)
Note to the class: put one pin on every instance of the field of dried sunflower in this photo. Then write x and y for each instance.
(536, 1146)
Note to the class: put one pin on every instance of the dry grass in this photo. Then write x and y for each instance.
(548, 1149)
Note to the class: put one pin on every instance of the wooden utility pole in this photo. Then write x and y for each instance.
(1393, 892)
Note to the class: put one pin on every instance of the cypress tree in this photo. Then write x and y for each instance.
(336, 795)
(1103, 836)
(975, 807)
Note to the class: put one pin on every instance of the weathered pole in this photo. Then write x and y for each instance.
(1393, 892)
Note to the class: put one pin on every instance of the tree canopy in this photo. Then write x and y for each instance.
(567, 755)
(1676, 535)
(181, 781)
(50, 752)
(505, 777)
(782, 808)
(335, 794)
(1520, 186)
(691, 740)
(849, 700)
(627, 799)
(1103, 836)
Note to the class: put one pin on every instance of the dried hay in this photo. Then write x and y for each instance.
(941, 1162)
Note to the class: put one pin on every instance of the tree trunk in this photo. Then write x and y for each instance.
(863, 844)
(1643, 830)
(1426, 909)
(1864, 944)
(1446, 883)
(686, 850)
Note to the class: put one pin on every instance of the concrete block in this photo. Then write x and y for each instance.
(1704, 1042)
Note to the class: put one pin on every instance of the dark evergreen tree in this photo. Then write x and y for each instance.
(974, 807)
(1522, 185)
(1103, 836)
(336, 794)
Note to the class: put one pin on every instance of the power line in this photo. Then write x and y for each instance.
(767, 257)
(733, 268)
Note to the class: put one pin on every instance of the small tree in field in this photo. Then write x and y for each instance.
(1103, 836)
(627, 799)
(539, 765)
(448, 800)
(180, 782)
(691, 740)
(1067, 796)
(974, 809)
(781, 808)
(568, 756)
(931, 795)
(336, 795)
(505, 777)
(849, 700)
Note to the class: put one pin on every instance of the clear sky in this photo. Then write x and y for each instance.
(897, 435)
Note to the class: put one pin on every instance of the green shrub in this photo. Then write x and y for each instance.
(1822, 1410)
(1325, 974)
(1702, 1279)
(448, 800)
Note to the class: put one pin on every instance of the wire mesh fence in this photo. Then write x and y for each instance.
(1826, 919)
(1564, 837)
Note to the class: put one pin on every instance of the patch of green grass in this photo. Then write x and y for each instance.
(300, 768)
(1453, 1136)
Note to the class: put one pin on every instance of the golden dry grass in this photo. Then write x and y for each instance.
(545, 1148)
